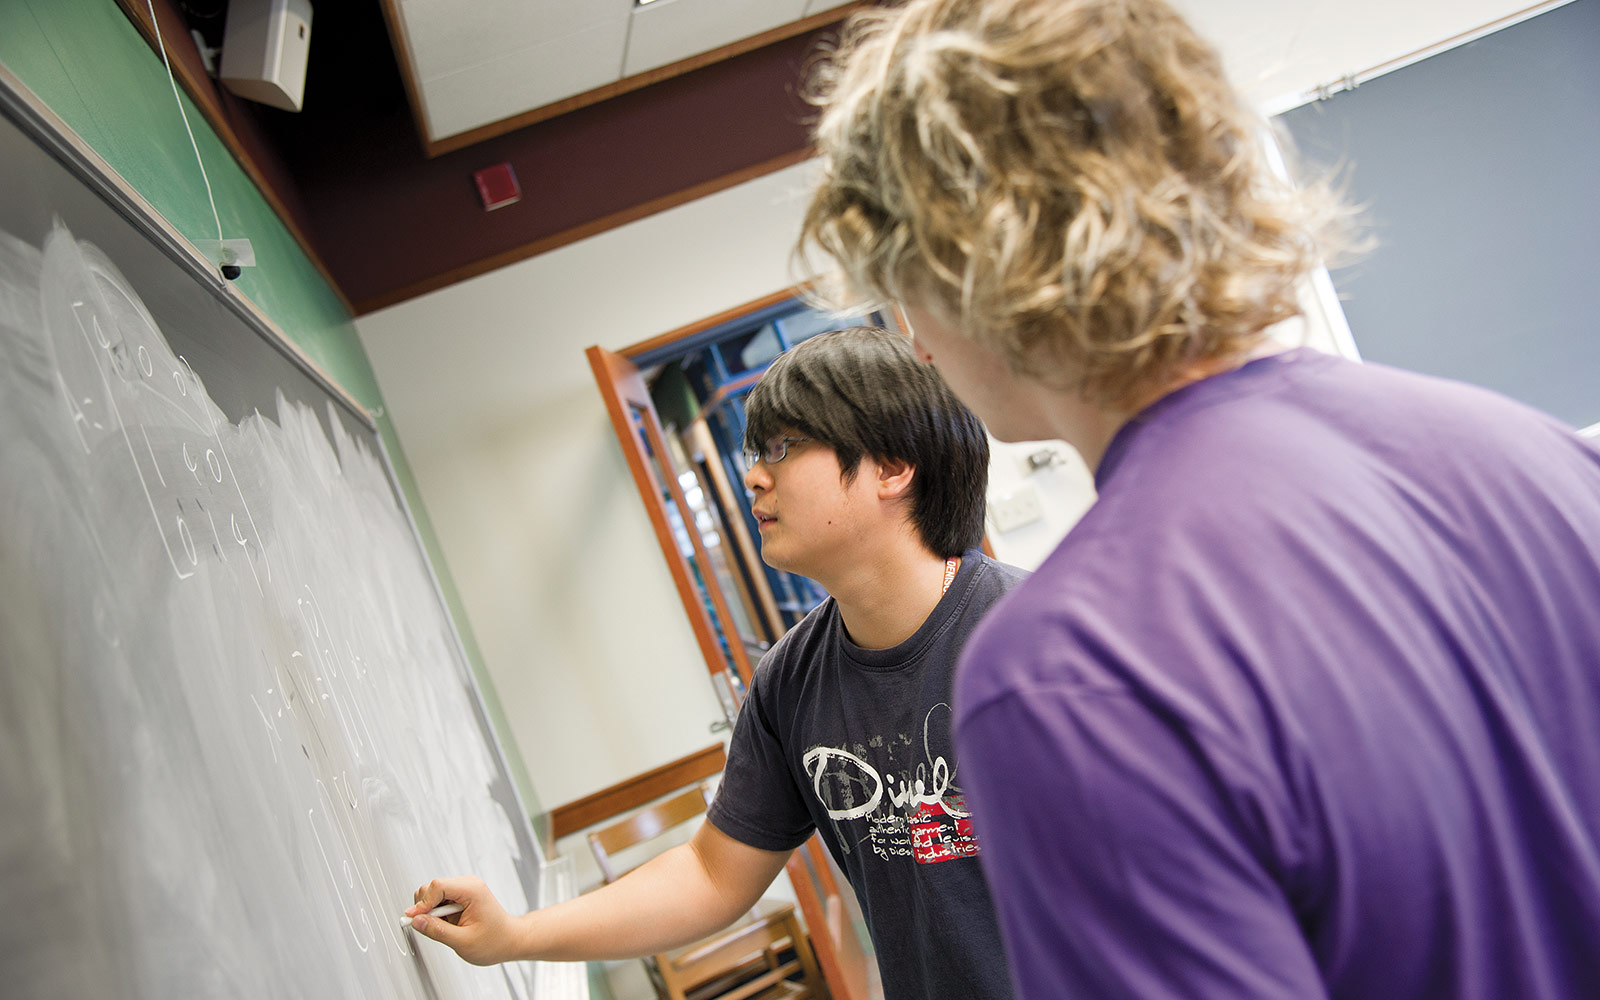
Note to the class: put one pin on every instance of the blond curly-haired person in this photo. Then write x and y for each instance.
(1306, 705)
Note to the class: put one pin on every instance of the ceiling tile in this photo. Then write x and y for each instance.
(528, 78)
(666, 31)
(447, 36)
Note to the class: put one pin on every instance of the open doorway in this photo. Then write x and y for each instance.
(677, 403)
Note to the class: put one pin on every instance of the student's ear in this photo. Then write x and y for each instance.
(894, 478)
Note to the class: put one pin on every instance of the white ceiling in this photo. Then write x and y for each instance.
(480, 62)
(712, 254)
(487, 60)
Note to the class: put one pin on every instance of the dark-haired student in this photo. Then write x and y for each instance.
(868, 476)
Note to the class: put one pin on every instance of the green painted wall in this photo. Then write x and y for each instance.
(90, 65)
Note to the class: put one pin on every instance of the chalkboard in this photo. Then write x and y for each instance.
(236, 725)
(1476, 168)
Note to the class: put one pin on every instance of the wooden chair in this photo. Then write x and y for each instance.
(851, 974)
(747, 961)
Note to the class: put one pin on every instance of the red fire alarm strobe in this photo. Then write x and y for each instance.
(497, 186)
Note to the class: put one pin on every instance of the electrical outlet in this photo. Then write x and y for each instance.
(1010, 511)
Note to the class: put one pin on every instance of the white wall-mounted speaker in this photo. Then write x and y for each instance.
(264, 51)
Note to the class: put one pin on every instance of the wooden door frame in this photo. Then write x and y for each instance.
(623, 389)
(838, 950)
(763, 604)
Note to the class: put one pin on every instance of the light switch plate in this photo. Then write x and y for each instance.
(1014, 509)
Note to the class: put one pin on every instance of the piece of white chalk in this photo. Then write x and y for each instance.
(438, 911)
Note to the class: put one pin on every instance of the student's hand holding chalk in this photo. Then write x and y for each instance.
(478, 928)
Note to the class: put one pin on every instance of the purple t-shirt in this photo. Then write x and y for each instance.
(1308, 704)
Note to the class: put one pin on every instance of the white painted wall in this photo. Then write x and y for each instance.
(558, 568)
(540, 522)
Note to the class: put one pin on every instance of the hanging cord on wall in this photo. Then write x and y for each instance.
(229, 254)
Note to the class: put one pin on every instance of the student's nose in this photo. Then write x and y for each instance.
(758, 480)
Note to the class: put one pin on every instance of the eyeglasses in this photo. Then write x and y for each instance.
(772, 452)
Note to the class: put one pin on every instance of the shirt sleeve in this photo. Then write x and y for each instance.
(758, 802)
(1119, 858)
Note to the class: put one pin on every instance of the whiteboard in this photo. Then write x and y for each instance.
(236, 724)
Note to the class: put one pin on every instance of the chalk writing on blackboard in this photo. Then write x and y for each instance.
(118, 379)
(248, 729)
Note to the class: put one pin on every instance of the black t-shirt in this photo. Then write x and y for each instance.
(856, 743)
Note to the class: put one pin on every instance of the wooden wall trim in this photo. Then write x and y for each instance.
(733, 649)
(594, 227)
(634, 792)
(460, 140)
(624, 392)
